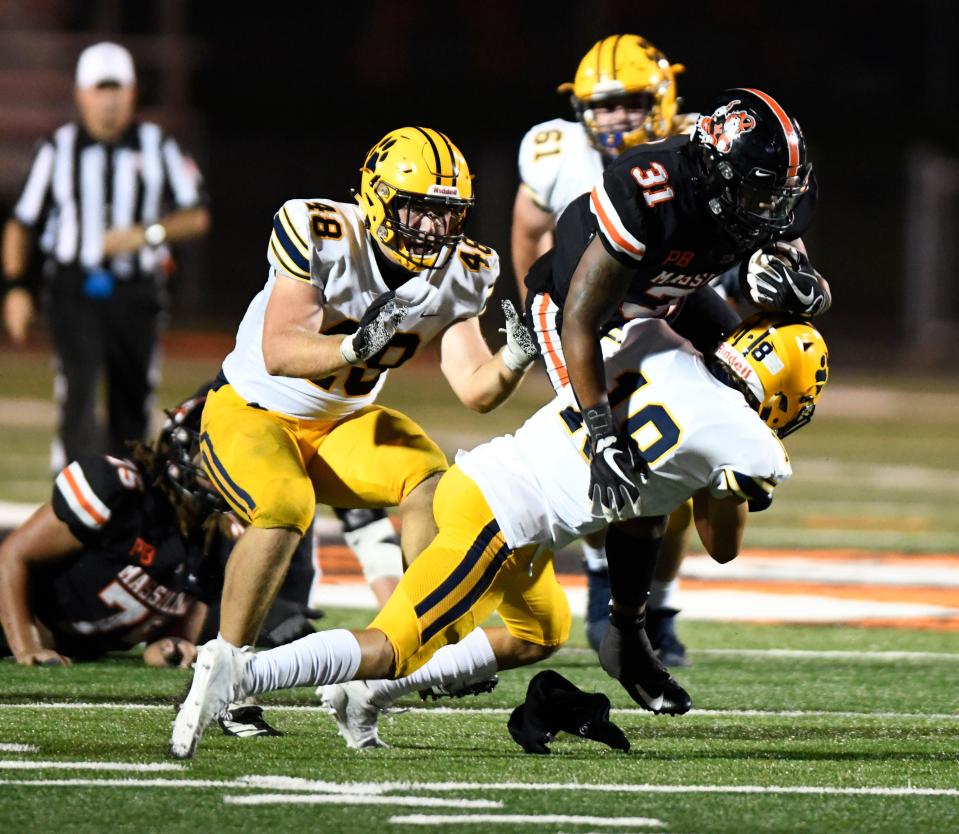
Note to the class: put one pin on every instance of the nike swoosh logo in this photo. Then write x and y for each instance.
(654, 704)
(806, 298)
(428, 315)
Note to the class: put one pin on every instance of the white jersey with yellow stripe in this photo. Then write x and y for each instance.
(695, 432)
(557, 163)
(325, 243)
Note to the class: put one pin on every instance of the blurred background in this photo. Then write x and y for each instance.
(285, 103)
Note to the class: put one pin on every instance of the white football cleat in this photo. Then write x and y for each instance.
(352, 706)
(216, 683)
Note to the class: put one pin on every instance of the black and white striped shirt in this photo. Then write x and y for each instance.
(78, 188)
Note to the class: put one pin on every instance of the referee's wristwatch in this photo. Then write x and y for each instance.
(154, 234)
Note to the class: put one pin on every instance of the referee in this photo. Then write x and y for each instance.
(103, 197)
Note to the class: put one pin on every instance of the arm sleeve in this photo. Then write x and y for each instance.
(182, 176)
(290, 247)
(35, 193)
(94, 491)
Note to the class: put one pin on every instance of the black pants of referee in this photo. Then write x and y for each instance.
(92, 337)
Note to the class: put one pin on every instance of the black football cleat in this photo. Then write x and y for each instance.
(626, 654)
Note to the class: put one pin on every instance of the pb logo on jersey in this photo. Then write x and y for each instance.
(724, 126)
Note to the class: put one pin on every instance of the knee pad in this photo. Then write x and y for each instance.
(375, 544)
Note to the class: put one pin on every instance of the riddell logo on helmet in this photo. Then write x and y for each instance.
(443, 190)
(724, 126)
(736, 363)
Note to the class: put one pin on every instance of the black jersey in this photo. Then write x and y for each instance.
(649, 216)
(135, 573)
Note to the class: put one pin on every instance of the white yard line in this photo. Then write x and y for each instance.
(153, 767)
(833, 654)
(703, 713)
(358, 799)
(125, 783)
(374, 792)
(18, 748)
(532, 819)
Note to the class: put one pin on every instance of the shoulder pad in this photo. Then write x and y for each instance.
(89, 491)
(540, 155)
(289, 249)
(479, 267)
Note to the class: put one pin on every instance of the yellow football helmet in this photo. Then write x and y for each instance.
(627, 69)
(781, 364)
(416, 192)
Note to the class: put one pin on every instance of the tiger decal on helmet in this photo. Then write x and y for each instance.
(724, 126)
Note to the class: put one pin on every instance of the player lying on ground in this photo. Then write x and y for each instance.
(126, 551)
(706, 430)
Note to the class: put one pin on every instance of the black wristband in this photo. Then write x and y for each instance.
(599, 420)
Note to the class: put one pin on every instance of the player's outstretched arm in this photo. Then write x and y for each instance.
(531, 235)
(481, 379)
(43, 538)
(721, 523)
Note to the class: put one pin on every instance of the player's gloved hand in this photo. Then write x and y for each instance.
(521, 349)
(376, 328)
(626, 654)
(617, 469)
(779, 278)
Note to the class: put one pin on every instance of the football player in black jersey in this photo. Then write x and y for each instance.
(117, 557)
(126, 551)
(667, 218)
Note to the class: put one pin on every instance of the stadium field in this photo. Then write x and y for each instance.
(804, 719)
(794, 729)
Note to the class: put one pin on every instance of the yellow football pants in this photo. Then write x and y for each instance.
(273, 469)
(466, 574)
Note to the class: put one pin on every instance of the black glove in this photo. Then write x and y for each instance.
(617, 469)
(554, 704)
(376, 328)
(779, 278)
(626, 654)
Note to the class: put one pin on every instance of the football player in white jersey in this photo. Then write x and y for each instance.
(709, 430)
(624, 93)
(353, 291)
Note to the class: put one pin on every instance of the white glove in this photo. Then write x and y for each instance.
(520, 351)
(377, 327)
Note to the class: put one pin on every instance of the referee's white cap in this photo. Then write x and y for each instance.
(105, 62)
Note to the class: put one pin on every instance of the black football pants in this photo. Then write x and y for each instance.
(116, 337)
